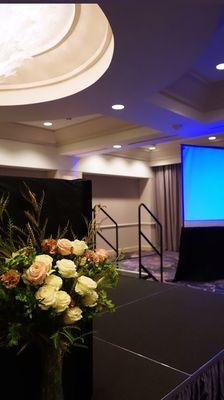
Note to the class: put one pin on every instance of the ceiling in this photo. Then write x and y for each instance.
(60, 123)
(167, 152)
(162, 70)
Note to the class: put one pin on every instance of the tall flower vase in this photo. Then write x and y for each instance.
(38, 372)
(52, 364)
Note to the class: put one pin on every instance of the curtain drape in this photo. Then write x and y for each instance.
(208, 385)
(168, 203)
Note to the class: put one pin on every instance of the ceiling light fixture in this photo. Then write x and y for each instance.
(212, 138)
(37, 41)
(28, 30)
(47, 123)
(118, 107)
(117, 146)
(152, 147)
(220, 67)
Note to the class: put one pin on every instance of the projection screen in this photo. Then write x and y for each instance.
(202, 185)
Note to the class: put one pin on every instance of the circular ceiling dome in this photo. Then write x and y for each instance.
(50, 51)
(30, 29)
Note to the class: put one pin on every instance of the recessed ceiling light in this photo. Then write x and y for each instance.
(176, 126)
(117, 146)
(212, 138)
(118, 107)
(220, 67)
(152, 147)
(47, 123)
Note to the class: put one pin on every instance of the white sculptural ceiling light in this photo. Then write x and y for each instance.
(28, 30)
(49, 51)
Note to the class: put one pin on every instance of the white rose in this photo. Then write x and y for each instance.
(79, 246)
(66, 268)
(47, 295)
(54, 281)
(62, 301)
(45, 259)
(90, 300)
(72, 314)
(85, 285)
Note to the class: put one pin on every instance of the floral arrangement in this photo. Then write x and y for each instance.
(48, 286)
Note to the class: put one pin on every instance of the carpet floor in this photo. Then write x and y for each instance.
(170, 261)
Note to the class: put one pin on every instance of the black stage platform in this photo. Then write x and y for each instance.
(159, 343)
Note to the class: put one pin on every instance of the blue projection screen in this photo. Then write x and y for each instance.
(202, 185)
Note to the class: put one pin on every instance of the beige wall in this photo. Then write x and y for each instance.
(28, 155)
(112, 166)
(121, 196)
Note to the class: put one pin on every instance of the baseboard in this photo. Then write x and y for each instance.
(133, 274)
(123, 272)
(130, 249)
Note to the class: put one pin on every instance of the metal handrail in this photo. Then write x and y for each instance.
(142, 235)
(116, 247)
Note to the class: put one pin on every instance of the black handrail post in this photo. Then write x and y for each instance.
(139, 243)
(117, 245)
(116, 248)
(159, 252)
(94, 224)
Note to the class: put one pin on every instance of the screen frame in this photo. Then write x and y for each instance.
(182, 174)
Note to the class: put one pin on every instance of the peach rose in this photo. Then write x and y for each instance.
(92, 256)
(10, 279)
(64, 247)
(50, 245)
(102, 254)
(46, 259)
(36, 273)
